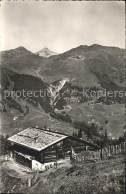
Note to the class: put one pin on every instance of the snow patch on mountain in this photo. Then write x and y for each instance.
(46, 53)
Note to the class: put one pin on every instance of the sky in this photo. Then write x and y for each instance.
(61, 26)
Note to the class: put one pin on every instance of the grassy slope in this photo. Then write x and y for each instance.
(35, 117)
(114, 113)
(96, 65)
(102, 177)
(81, 112)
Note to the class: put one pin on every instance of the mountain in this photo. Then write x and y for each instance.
(54, 103)
(93, 65)
(22, 61)
(45, 52)
(23, 84)
(8, 55)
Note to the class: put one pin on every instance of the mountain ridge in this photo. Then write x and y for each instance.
(83, 65)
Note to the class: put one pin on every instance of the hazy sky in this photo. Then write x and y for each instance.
(61, 26)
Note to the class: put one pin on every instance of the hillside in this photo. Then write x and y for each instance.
(114, 113)
(25, 86)
(93, 65)
(63, 76)
(87, 66)
(8, 55)
(101, 177)
(31, 111)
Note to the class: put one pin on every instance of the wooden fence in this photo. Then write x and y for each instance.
(101, 154)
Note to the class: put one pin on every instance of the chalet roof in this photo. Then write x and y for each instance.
(36, 139)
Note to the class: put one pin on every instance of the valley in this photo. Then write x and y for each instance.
(60, 77)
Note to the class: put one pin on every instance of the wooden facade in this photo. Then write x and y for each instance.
(59, 149)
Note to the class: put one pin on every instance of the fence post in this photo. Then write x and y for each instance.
(124, 147)
(119, 148)
(109, 151)
(29, 182)
(101, 154)
(86, 148)
(114, 149)
(11, 154)
(106, 152)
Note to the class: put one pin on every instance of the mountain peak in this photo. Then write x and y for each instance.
(46, 52)
(14, 53)
(45, 48)
(96, 45)
(20, 48)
